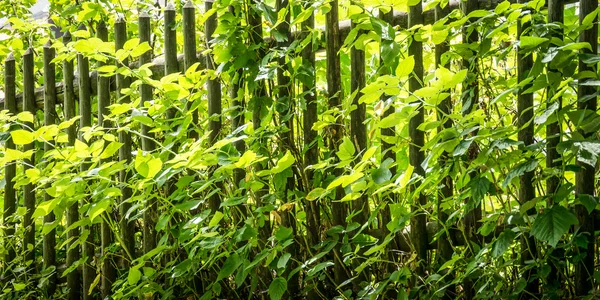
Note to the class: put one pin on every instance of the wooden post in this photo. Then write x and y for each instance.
(28, 191)
(170, 49)
(49, 248)
(73, 255)
(85, 111)
(585, 177)
(10, 169)
(358, 129)
(311, 153)
(526, 189)
(553, 138)
(334, 90)
(259, 94)
(237, 93)
(470, 99)
(213, 87)
(127, 227)
(151, 214)
(417, 137)
(444, 109)
(189, 56)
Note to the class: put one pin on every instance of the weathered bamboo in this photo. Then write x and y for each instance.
(311, 153)
(334, 90)
(358, 128)
(151, 212)
(553, 138)
(213, 87)
(259, 93)
(127, 226)
(444, 109)
(73, 255)
(469, 101)
(189, 56)
(10, 169)
(29, 163)
(526, 189)
(585, 177)
(49, 243)
(170, 43)
(107, 235)
(417, 139)
(237, 93)
(85, 111)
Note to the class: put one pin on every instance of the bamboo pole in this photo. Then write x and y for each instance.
(73, 255)
(334, 90)
(526, 189)
(444, 109)
(10, 169)
(151, 212)
(49, 240)
(126, 226)
(585, 177)
(417, 137)
(553, 138)
(29, 163)
(213, 87)
(189, 56)
(85, 111)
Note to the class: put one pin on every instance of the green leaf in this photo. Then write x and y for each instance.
(503, 242)
(283, 233)
(519, 170)
(134, 276)
(552, 224)
(316, 194)
(216, 219)
(528, 42)
(21, 137)
(277, 288)
(347, 150)
(98, 208)
(282, 262)
(588, 201)
(230, 265)
(285, 162)
(405, 67)
(140, 49)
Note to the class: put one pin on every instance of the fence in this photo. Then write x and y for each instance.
(88, 96)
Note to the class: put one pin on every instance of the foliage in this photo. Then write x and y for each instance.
(258, 242)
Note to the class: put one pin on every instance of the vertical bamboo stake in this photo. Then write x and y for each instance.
(311, 154)
(85, 111)
(189, 55)
(334, 90)
(444, 109)
(28, 191)
(285, 108)
(73, 255)
(553, 138)
(106, 234)
(469, 100)
(256, 36)
(213, 87)
(150, 214)
(526, 188)
(358, 129)
(417, 137)
(49, 248)
(10, 169)
(387, 134)
(170, 49)
(585, 177)
(127, 227)
(237, 93)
